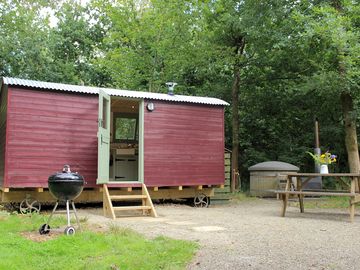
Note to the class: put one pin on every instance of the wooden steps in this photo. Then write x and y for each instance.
(127, 197)
(130, 208)
(146, 206)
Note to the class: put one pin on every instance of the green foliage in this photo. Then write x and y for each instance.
(23, 34)
(149, 43)
(119, 248)
(32, 48)
(73, 43)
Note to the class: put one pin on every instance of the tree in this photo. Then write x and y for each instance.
(149, 42)
(244, 32)
(23, 30)
(31, 47)
(75, 42)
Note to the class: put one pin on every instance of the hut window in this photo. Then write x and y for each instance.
(104, 116)
(125, 128)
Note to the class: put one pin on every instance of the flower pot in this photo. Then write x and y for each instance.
(324, 169)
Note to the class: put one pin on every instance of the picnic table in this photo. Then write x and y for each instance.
(303, 178)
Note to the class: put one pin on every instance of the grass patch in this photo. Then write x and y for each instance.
(325, 203)
(117, 249)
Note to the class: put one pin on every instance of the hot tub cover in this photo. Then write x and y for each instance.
(274, 166)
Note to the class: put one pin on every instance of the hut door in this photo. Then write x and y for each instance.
(103, 138)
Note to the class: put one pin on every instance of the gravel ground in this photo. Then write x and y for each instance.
(251, 235)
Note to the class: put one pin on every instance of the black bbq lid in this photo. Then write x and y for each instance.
(66, 174)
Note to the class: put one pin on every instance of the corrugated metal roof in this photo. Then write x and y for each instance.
(113, 92)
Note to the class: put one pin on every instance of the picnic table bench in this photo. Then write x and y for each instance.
(303, 178)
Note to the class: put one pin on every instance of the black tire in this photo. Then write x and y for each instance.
(69, 230)
(44, 229)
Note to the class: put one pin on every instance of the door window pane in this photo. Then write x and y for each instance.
(125, 128)
(104, 116)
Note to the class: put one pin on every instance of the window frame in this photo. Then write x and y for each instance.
(126, 116)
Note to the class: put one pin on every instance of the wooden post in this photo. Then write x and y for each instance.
(352, 199)
(301, 197)
(148, 201)
(234, 179)
(285, 196)
(317, 150)
(107, 204)
(317, 141)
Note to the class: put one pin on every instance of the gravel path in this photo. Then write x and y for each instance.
(251, 235)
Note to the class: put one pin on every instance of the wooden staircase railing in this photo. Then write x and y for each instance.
(146, 206)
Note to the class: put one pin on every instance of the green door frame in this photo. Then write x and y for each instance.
(141, 142)
(103, 137)
(104, 141)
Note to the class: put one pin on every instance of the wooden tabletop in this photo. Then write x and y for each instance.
(323, 174)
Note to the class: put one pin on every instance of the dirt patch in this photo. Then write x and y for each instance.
(56, 232)
(36, 237)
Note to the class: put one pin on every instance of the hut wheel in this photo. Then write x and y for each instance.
(201, 200)
(29, 206)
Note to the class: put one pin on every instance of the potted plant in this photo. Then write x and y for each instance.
(324, 160)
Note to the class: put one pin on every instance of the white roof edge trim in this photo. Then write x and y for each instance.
(114, 92)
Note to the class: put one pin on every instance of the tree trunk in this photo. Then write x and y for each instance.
(235, 130)
(235, 180)
(351, 143)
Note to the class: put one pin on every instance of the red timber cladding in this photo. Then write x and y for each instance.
(47, 129)
(183, 145)
(3, 106)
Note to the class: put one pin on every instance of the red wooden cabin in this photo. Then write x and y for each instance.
(117, 137)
